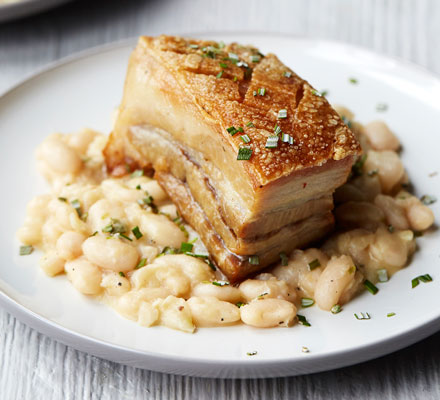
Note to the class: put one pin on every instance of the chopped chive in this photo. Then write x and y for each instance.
(284, 259)
(346, 121)
(26, 250)
(233, 56)
(94, 233)
(362, 316)
(240, 129)
(390, 228)
(138, 187)
(251, 353)
(255, 58)
(250, 125)
(261, 91)
(314, 264)
(316, 93)
(254, 260)
(84, 217)
(353, 81)
(242, 64)
(382, 275)
(282, 114)
(370, 287)
(427, 199)
(121, 274)
(167, 250)
(287, 74)
(324, 93)
(244, 153)
(63, 199)
(415, 282)
(245, 138)
(277, 129)
(261, 296)
(357, 167)
(232, 130)
(221, 44)
(272, 142)
(204, 256)
(391, 314)
(125, 237)
(137, 233)
(306, 302)
(302, 320)
(219, 75)
(336, 309)
(220, 283)
(223, 65)
(291, 140)
(137, 173)
(240, 304)
(115, 226)
(193, 46)
(381, 107)
(141, 263)
(421, 278)
(254, 93)
(186, 247)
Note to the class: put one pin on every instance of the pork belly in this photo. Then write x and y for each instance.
(189, 107)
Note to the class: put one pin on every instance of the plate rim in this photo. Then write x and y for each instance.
(83, 342)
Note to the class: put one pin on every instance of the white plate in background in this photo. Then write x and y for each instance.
(84, 90)
(23, 8)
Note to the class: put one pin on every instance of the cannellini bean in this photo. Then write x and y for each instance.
(224, 293)
(359, 214)
(110, 253)
(148, 252)
(268, 313)
(81, 140)
(101, 213)
(85, 276)
(175, 314)
(210, 311)
(50, 232)
(344, 112)
(335, 278)
(153, 188)
(36, 214)
(394, 213)
(272, 288)
(380, 136)
(52, 264)
(169, 209)
(115, 191)
(69, 245)
(115, 284)
(353, 288)
(148, 314)
(389, 166)
(420, 217)
(60, 157)
(161, 231)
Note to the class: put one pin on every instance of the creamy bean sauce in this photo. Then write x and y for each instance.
(123, 242)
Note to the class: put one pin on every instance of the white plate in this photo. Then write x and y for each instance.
(24, 8)
(83, 91)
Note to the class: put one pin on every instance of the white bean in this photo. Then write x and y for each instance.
(268, 313)
(85, 276)
(148, 314)
(338, 274)
(359, 214)
(69, 245)
(81, 140)
(272, 288)
(389, 166)
(60, 157)
(394, 213)
(380, 136)
(115, 284)
(175, 314)
(420, 217)
(224, 293)
(210, 311)
(161, 231)
(52, 264)
(110, 253)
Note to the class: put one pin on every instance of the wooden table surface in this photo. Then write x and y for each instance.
(34, 366)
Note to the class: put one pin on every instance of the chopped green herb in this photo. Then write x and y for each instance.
(421, 278)
(382, 275)
(336, 309)
(282, 114)
(245, 139)
(254, 260)
(219, 75)
(284, 259)
(137, 173)
(314, 264)
(77, 206)
(427, 199)
(138, 187)
(223, 65)
(250, 125)
(193, 46)
(240, 304)
(390, 228)
(251, 353)
(124, 236)
(261, 296)
(346, 121)
(63, 199)
(231, 130)
(324, 93)
(352, 269)
(204, 256)
(254, 93)
(373, 172)
(272, 142)
(316, 93)
(302, 320)
(137, 233)
(356, 169)
(261, 91)
(276, 129)
(186, 247)
(255, 58)
(220, 283)
(370, 287)
(381, 107)
(235, 79)
(287, 74)
(240, 129)
(221, 44)
(121, 274)
(242, 64)
(167, 250)
(306, 302)
(391, 314)
(84, 216)
(244, 153)
(26, 250)
(233, 56)
(362, 316)
(353, 81)
(141, 263)
(115, 226)
(94, 233)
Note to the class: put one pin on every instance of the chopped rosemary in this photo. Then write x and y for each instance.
(427, 199)
(244, 153)
(336, 309)
(382, 275)
(137, 173)
(272, 142)
(137, 233)
(121, 274)
(77, 206)
(261, 91)
(284, 259)
(370, 287)
(282, 114)
(245, 139)
(307, 302)
(391, 314)
(254, 260)
(141, 263)
(302, 320)
(26, 250)
(421, 278)
(353, 81)
(314, 264)
(362, 316)
(250, 125)
(186, 247)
